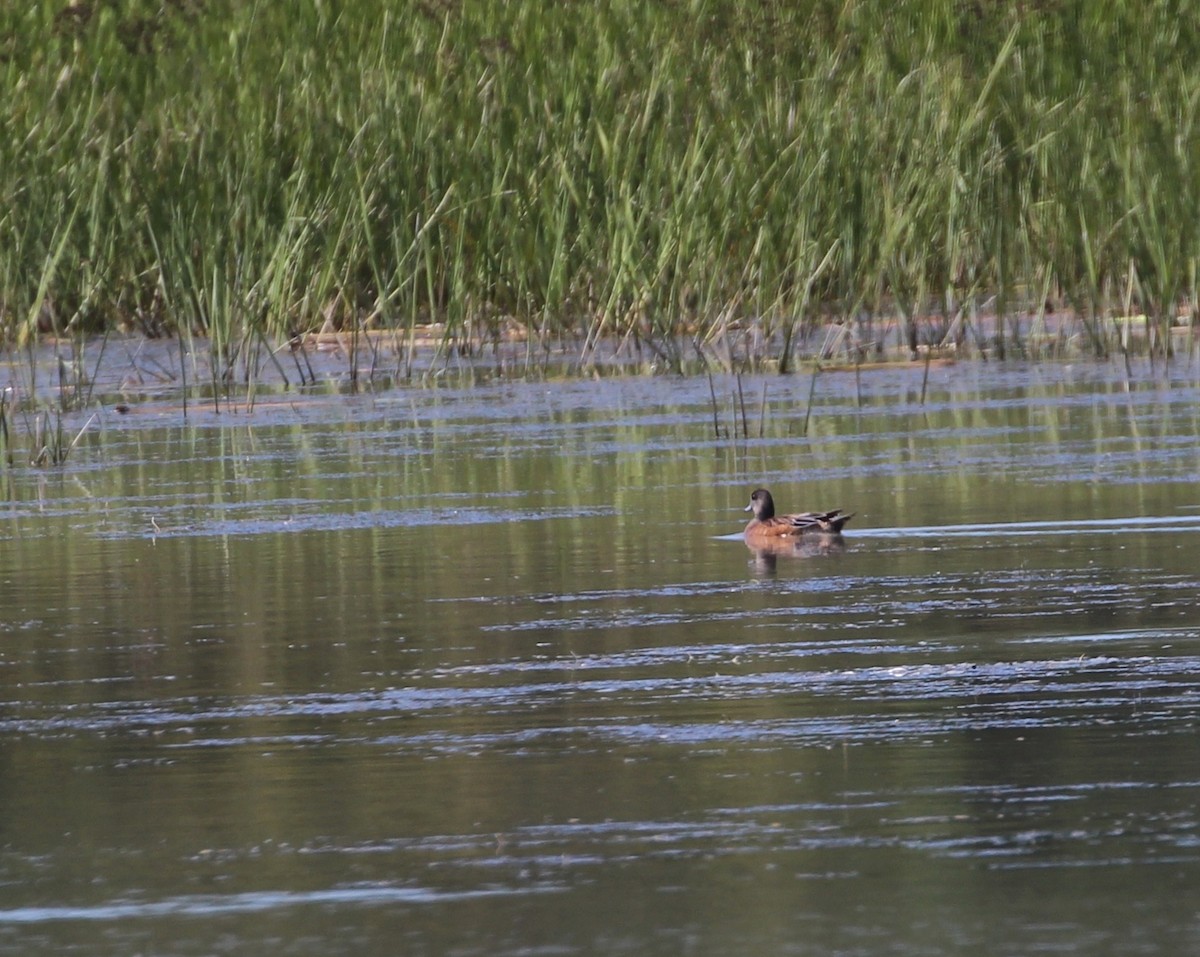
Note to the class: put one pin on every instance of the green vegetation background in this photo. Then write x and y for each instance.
(567, 167)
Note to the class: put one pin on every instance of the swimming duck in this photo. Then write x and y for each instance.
(766, 526)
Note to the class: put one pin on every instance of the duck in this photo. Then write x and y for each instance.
(766, 526)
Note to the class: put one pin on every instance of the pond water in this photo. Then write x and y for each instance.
(488, 670)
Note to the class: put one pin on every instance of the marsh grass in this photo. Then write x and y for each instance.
(52, 444)
(6, 451)
(929, 174)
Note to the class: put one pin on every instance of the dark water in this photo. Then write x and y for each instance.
(473, 671)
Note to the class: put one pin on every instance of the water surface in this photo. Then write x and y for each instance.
(487, 670)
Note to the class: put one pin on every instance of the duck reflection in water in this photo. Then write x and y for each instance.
(767, 554)
(795, 536)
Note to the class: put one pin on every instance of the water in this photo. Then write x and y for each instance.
(488, 670)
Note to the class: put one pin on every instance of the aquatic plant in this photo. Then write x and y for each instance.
(929, 173)
(6, 454)
(51, 443)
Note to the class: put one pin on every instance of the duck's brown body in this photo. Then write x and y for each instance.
(766, 526)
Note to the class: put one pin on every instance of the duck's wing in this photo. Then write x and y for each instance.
(829, 522)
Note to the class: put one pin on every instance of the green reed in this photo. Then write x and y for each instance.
(244, 171)
(6, 451)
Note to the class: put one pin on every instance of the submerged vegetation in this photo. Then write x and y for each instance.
(941, 171)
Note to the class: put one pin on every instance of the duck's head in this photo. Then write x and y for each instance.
(762, 505)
